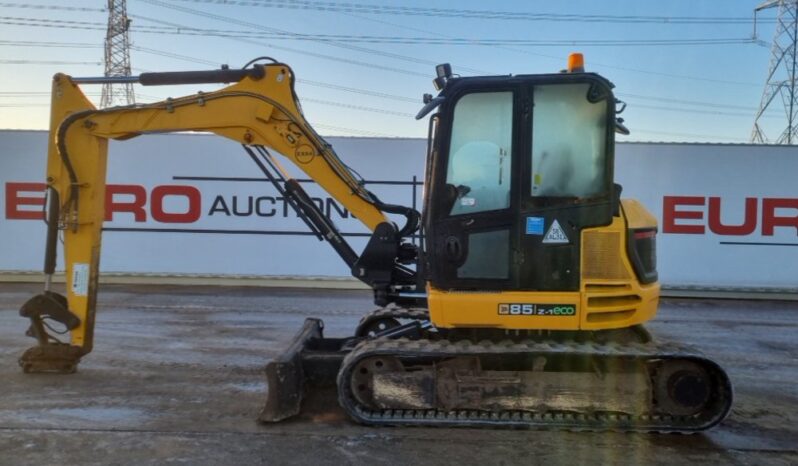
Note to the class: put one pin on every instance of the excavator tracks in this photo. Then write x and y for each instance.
(679, 389)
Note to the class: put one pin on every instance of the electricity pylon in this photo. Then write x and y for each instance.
(781, 80)
(117, 56)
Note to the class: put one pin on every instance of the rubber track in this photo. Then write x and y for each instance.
(594, 421)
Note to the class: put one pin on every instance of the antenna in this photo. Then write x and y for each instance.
(780, 87)
(117, 56)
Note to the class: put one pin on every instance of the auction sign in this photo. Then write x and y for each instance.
(197, 204)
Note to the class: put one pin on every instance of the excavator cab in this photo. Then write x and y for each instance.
(507, 200)
(523, 221)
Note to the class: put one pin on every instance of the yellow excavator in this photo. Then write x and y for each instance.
(521, 307)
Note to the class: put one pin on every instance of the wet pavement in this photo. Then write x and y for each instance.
(176, 377)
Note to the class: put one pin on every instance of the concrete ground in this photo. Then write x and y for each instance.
(176, 377)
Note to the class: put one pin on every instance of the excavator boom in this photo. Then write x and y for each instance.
(260, 110)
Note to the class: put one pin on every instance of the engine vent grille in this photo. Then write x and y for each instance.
(602, 256)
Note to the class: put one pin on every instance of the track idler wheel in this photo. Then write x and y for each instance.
(363, 377)
(682, 388)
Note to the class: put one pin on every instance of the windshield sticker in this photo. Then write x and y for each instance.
(534, 225)
(556, 235)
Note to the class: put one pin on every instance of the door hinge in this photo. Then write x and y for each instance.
(518, 257)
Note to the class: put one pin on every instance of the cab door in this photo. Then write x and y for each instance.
(472, 229)
(567, 183)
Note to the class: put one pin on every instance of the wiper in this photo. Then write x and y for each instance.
(429, 106)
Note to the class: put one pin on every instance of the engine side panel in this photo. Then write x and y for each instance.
(609, 296)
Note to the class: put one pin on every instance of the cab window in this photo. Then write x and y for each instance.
(569, 135)
(478, 172)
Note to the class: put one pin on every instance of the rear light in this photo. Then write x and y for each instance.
(644, 234)
(642, 249)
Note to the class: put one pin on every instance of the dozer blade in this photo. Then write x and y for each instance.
(311, 362)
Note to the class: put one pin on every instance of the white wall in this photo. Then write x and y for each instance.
(271, 241)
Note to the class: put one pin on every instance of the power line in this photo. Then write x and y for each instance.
(186, 30)
(382, 95)
(35, 93)
(276, 34)
(358, 107)
(48, 62)
(681, 101)
(375, 9)
(338, 44)
(51, 7)
(681, 76)
(54, 23)
(670, 75)
(691, 110)
(559, 58)
(23, 43)
(337, 39)
(309, 82)
(172, 55)
(689, 135)
(411, 100)
(323, 56)
(361, 132)
(415, 100)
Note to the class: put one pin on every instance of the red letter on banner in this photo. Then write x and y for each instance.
(670, 215)
(748, 226)
(14, 200)
(136, 206)
(189, 192)
(769, 219)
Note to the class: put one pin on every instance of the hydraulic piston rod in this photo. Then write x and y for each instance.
(178, 77)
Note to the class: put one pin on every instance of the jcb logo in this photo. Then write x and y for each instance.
(304, 154)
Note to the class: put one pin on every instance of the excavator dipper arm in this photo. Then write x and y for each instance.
(260, 109)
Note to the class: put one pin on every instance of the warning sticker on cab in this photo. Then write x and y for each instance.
(556, 235)
(526, 309)
(80, 279)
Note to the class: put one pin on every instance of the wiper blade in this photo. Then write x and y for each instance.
(430, 106)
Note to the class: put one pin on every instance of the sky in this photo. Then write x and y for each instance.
(363, 65)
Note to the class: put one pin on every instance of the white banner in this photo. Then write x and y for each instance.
(197, 204)
(728, 214)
